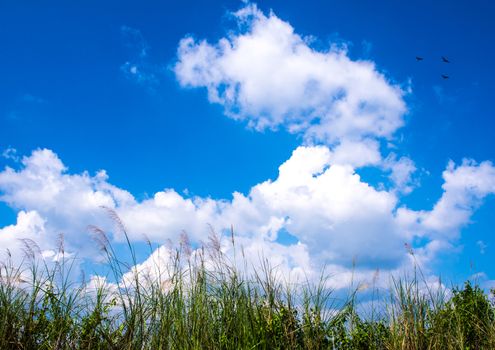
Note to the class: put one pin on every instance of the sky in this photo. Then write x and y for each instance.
(309, 128)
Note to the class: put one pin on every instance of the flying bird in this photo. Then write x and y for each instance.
(445, 76)
(445, 60)
(418, 58)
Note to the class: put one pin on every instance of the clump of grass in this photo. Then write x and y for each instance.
(201, 300)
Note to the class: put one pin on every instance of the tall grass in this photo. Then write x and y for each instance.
(202, 300)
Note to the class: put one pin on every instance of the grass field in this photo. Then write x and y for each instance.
(208, 303)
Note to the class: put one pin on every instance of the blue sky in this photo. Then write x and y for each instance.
(106, 86)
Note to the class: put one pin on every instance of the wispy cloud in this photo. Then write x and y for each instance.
(11, 154)
(23, 103)
(482, 246)
(442, 96)
(139, 68)
(32, 99)
(366, 47)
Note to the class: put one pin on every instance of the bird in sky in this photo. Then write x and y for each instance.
(418, 58)
(445, 76)
(445, 60)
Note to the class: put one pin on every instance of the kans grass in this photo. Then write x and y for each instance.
(211, 304)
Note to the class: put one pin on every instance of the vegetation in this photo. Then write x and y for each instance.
(207, 303)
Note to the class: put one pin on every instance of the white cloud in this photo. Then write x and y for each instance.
(67, 203)
(465, 186)
(401, 171)
(269, 76)
(320, 202)
(357, 154)
(167, 214)
(29, 225)
(159, 268)
(335, 216)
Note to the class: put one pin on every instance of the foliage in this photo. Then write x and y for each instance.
(210, 304)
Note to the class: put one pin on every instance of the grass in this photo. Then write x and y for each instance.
(201, 300)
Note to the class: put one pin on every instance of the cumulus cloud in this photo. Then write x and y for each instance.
(269, 76)
(29, 225)
(465, 186)
(357, 154)
(335, 217)
(323, 202)
(67, 203)
(401, 172)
